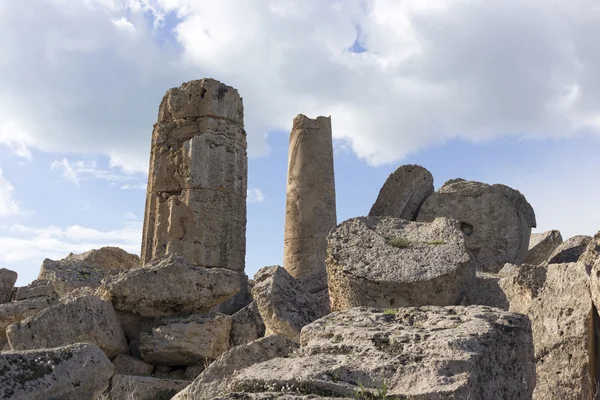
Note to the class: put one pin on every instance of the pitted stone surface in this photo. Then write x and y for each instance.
(391, 262)
(495, 219)
(19, 310)
(570, 250)
(7, 283)
(310, 204)
(403, 193)
(541, 246)
(35, 289)
(129, 387)
(247, 325)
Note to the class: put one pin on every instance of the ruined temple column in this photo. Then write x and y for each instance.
(310, 204)
(196, 200)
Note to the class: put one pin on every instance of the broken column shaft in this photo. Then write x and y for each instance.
(310, 204)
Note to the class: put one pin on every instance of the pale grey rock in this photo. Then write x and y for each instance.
(190, 340)
(495, 219)
(403, 193)
(129, 387)
(7, 283)
(170, 286)
(20, 310)
(86, 319)
(37, 288)
(557, 299)
(215, 379)
(285, 306)
(76, 372)
(592, 252)
(541, 247)
(247, 325)
(390, 262)
(314, 282)
(240, 300)
(86, 269)
(416, 353)
(570, 250)
(127, 365)
(486, 291)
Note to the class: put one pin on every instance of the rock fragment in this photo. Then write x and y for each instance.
(127, 387)
(247, 325)
(541, 247)
(570, 250)
(7, 283)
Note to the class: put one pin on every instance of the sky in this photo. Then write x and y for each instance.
(497, 91)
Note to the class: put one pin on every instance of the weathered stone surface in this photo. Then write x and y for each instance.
(541, 246)
(86, 319)
(496, 220)
(247, 325)
(186, 340)
(276, 396)
(196, 201)
(171, 286)
(127, 365)
(133, 325)
(215, 379)
(236, 303)
(310, 204)
(570, 250)
(193, 371)
(486, 291)
(129, 387)
(36, 288)
(86, 269)
(557, 300)
(7, 283)
(403, 193)
(79, 371)
(592, 252)
(390, 262)
(19, 310)
(285, 306)
(419, 353)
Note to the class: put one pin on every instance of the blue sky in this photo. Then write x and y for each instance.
(500, 92)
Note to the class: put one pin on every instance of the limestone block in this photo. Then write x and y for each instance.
(390, 262)
(7, 283)
(79, 371)
(128, 387)
(186, 340)
(541, 246)
(20, 310)
(127, 365)
(403, 193)
(86, 319)
(37, 288)
(247, 325)
(570, 250)
(171, 286)
(495, 219)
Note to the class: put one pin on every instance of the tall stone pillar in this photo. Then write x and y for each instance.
(196, 200)
(310, 205)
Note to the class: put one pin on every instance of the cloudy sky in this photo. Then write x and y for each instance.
(500, 91)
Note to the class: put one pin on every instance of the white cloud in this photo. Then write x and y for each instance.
(75, 171)
(432, 71)
(141, 186)
(254, 195)
(8, 204)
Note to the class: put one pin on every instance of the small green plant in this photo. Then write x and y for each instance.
(399, 242)
(390, 311)
(435, 242)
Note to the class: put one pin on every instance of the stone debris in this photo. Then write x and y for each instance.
(75, 372)
(495, 219)
(190, 340)
(128, 387)
(541, 247)
(390, 262)
(198, 177)
(7, 283)
(127, 365)
(247, 325)
(37, 288)
(403, 193)
(215, 379)
(85, 319)
(570, 250)
(20, 310)
(170, 286)
(310, 211)
(283, 303)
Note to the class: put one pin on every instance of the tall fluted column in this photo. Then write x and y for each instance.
(310, 204)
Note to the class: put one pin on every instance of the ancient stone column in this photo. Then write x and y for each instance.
(310, 205)
(196, 201)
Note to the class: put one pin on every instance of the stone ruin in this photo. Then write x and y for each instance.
(434, 295)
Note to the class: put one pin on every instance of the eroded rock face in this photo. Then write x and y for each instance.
(35, 289)
(196, 201)
(425, 353)
(570, 250)
(7, 283)
(127, 365)
(86, 269)
(85, 319)
(20, 310)
(127, 387)
(310, 204)
(496, 220)
(284, 304)
(79, 371)
(188, 340)
(247, 325)
(557, 300)
(215, 379)
(403, 193)
(592, 252)
(171, 286)
(390, 262)
(541, 246)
